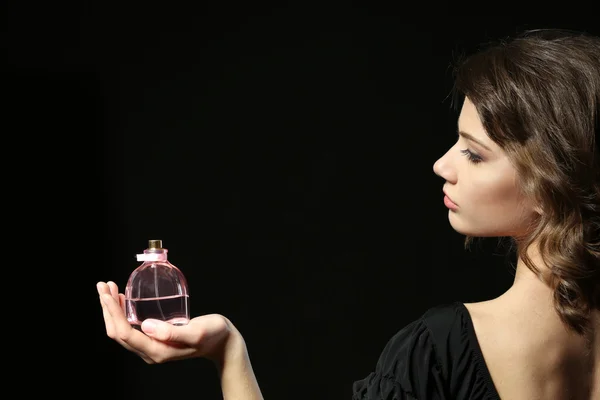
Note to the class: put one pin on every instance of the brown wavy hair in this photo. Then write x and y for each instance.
(538, 96)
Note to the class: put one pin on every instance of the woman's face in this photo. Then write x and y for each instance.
(482, 183)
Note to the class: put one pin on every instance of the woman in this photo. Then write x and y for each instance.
(526, 166)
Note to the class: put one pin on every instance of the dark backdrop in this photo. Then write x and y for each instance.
(283, 155)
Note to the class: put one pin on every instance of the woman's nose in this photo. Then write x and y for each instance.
(443, 167)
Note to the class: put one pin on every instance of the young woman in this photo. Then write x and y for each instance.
(525, 165)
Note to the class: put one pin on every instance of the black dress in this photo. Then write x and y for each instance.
(436, 357)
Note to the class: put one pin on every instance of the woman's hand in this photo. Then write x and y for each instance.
(205, 336)
(209, 336)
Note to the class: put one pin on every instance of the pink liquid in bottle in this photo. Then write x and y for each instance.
(156, 289)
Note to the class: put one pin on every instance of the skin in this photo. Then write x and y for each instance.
(483, 183)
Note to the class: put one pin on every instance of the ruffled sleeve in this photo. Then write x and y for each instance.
(407, 369)
(436, 357)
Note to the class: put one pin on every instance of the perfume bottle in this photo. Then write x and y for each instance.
(156, 289)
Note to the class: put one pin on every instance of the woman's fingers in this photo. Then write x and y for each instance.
(108, 324)
(103, 288)
(122, 302)
(123, 333)
(112, 329)
(114, 290)
(122, 329)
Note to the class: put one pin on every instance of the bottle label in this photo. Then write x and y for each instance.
(152, 257)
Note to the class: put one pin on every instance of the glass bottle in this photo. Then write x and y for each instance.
(156, 289)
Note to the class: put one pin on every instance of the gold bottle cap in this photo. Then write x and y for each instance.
(155, 244)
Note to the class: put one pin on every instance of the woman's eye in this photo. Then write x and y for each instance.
(472, 157)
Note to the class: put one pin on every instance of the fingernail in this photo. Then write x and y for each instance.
(149, 326)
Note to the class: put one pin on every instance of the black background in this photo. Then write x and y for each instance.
(284, 156)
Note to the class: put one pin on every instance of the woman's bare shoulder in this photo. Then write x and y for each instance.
(532, 356)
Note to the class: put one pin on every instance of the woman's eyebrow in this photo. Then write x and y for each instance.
(470, 137)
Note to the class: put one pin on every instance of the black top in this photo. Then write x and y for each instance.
(436, 357)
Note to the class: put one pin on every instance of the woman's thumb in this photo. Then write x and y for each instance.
(206, 329)
(159, 330)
